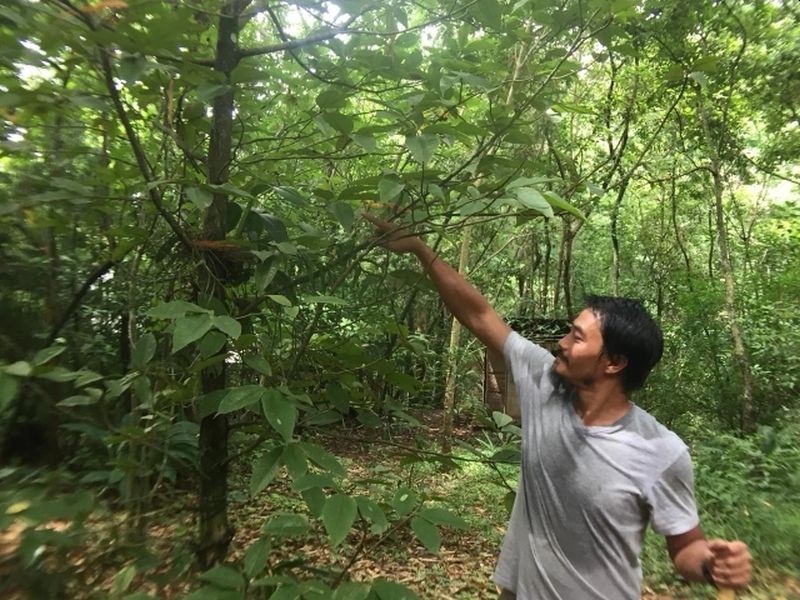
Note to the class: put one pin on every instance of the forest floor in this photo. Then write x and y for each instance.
(462, 569)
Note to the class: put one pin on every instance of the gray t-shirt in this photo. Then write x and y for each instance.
(586, 493)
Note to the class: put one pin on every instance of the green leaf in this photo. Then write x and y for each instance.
(501, 419)
(706, 64)
(422, 147)
(240, 397)
(292, 195)
(295, 461)
(174, 310)
(338, 121)
(228, 325)
(315, 500)
(143, 351)
(123, 579)
(19, 369)
(699, 77)
(373, 513)
(211, 343)
(366, 141)
(533, 199)
(313, 480)
(189, 329)
(9, 386)
(200, 197)
(47, 354)
(389, 189)
(350, 590)
(442, 516)
(278, 299)
(426, 533)
(343, 213)
(286, 525)
(258, 363)
(211, 592)
(255, 559)
(225, 577)
(264, 470)
(131, 68)
(287, 592)
(280, 412)
(322, 458)
(389, 590)
(80, 400)
(562, 205)
(338, 517)
(404, 501)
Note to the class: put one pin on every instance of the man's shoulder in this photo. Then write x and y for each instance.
(655, 433)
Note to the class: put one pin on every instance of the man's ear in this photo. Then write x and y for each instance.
(615, 364)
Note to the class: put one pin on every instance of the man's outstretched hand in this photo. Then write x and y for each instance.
(729, 563)
(395, 237)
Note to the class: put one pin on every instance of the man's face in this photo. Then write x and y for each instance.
(580, 359)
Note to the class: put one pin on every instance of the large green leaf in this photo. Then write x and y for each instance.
(225, 577)
(338, 517)
(286, 525)
(373, 513)
(264, 470)
(562, 205)
(228, 325)
(404, 501)
(389, 590)
(422, 147)
(442, 516)
(8, 390)
(255, 558)
(143, 351)
(351, 590)
(426, 533)
(532, 198)
(280, 412)
(240, 397)
(200, 197)
(390, 188)
(295, 460)
(322, 458)
(47, 354)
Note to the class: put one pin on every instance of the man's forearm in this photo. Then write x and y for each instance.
(464, 301)
(689, 561)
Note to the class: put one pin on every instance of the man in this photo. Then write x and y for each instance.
(596, 469)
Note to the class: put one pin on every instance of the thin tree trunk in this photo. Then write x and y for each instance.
(548, 247)
(747, 412)
(615, 234)
(452, 353)
(215, 529)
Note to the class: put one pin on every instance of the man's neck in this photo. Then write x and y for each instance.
(601, 404)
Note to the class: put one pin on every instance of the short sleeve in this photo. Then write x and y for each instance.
(672, 504)
(526, 360)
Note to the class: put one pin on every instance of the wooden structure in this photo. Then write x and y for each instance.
(499, 392)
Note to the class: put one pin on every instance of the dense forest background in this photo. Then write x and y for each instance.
(214, 383)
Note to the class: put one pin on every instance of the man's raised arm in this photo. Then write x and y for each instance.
(461, 298)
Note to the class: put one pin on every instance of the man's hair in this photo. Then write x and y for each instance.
(628, 331)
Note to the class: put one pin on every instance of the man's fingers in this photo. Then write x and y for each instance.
(730, 563)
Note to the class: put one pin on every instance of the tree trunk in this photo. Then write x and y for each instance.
(615, 234)
(452, 353)
(215, 530)
(747, 412)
